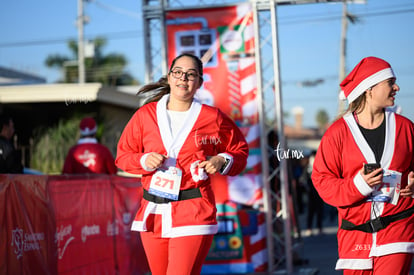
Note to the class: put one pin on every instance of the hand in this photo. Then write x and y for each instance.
(374, 178)
(408, 191)
(154, 160)
(213, 164)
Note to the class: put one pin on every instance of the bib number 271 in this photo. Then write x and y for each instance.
(166, 184)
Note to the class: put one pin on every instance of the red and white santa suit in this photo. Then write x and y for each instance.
(206, 131)
(336, 176)
(89, 156)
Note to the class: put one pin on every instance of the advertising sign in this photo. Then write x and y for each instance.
(78, 224)
(224, 39)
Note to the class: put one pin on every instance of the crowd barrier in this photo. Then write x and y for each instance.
(69, 225)
(80, 224)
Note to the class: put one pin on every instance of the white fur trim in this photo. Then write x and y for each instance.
(362, 186)
(359, 138)
(358, 264)
(142, 161)
(172, 144)
(168, 231)
(342, 95)
(369, 82)
(87, 131)
(363, 144)
(87, 140)
(390, 248)
(197, 173)
(229, 164)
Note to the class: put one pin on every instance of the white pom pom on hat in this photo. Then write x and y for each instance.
(87, 126)
(368, 72)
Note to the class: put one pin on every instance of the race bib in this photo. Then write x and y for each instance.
(166, 183)
(389, 191)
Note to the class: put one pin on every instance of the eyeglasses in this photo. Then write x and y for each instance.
(190, 75)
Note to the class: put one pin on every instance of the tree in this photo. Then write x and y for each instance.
(52, 144)
(322, 119)
(106, 69)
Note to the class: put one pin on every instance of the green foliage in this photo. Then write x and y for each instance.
(322, 118)
(55, 61)
(51, 145)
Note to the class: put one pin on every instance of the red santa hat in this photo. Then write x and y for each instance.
(368, 72)
(87, 126)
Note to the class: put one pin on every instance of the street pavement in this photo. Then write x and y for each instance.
(319, 252)
(315, 254)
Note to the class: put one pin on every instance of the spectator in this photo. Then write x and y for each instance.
(10, 159)
(89, 156)
(314, 201)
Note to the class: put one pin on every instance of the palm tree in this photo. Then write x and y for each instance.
(106, 69)
(52, 144)
(322, 119)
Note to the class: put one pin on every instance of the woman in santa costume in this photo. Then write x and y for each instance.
(375, 208)
(175, 142)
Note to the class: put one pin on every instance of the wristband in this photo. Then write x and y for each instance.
(227, 165)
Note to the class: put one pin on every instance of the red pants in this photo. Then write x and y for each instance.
(175, 256)
(399, 263)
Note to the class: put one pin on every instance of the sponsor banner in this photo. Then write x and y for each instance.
(223, 38)
(27, 226)
(129, 252)
(76, 224)
(83, 208)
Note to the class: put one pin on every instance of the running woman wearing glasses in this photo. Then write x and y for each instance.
(175, 143)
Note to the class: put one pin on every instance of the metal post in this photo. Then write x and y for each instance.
(165, 68)
(282, 140)
(81, 63)
(267, 200)
(342, 55)
(147, 46)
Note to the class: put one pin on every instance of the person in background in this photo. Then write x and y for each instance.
(175, 143)
(89, 156)
(375, 206)
(10, 159)
(314, 201)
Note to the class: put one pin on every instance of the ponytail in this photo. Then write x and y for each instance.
(155, 90)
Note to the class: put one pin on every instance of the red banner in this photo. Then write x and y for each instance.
(70, 225)
(27, 226)
(223, 38)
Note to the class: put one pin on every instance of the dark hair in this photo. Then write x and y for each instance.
(161, 87)
(5, 120)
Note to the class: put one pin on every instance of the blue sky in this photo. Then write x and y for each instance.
(309, 43)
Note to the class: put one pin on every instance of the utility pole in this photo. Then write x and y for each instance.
(342, 56)
(81, 58)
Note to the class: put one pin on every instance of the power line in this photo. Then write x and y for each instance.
(133, 34)
(338, 17)
(116, 9)
(371, 10)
